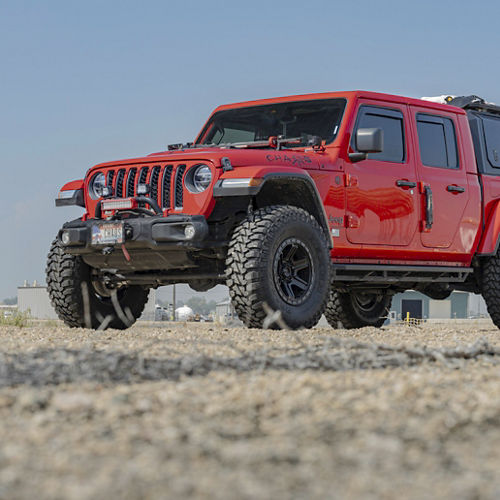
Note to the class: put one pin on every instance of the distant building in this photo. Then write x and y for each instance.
(225, 313)
(35, 299)
(149, 313)
(459, 305)
(6, 311)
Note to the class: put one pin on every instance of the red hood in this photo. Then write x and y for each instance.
(307, 159)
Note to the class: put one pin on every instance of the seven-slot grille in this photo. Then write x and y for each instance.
(118, 191)
(165, 186)
(165, 181)
(132, 174)
(179, 186)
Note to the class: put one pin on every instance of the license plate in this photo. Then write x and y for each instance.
(110, 233)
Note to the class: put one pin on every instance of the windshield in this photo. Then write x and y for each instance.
(286, 120)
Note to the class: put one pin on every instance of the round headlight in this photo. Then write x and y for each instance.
(96, 186)
(202, 177)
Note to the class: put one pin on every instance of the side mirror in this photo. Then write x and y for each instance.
(368, 140)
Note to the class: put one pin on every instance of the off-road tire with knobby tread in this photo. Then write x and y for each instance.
(490, 287)
(342, 311)
(251, 259)
(65, 274)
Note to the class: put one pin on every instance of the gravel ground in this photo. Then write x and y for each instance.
(195, 410)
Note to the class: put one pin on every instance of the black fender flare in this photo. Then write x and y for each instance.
(252, 191)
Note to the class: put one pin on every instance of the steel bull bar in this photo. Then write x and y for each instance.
(153, 231)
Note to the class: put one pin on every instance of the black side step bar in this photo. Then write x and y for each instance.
(394, 274)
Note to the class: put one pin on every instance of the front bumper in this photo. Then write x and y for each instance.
(152, 232)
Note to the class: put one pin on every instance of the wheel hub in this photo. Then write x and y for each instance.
(366, 301)
(286, 272)
(104, 289)
(293, 271)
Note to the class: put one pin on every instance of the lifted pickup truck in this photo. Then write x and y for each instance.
(323, 203)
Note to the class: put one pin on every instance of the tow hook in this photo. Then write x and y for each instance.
(125, 253)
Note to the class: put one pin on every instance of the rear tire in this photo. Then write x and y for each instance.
(437, 291)
(357, 309)
(279, 255)
(65, 275)
(490, 288)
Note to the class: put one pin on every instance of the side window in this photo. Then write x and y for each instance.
(491, 127)
(437, 141)
(391, 122)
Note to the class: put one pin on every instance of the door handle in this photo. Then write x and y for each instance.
(429, 208)
(408, 184)
(455, 189)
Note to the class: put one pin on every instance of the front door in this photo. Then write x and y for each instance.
(442, 176)
(381, 196)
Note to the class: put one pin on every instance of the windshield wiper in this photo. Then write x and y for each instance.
(275, 142)
(235, 145)
(304, 140)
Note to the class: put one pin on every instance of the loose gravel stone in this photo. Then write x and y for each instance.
(200, 411)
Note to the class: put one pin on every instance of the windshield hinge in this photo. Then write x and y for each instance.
(226, 164)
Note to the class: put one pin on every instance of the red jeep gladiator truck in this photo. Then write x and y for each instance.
(308, 205)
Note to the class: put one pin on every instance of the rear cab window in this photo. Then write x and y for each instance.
(391, 121)
(491, 125)
(485, 131)
(437, 141)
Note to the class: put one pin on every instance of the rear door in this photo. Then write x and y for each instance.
(442, 176)
(381, 197)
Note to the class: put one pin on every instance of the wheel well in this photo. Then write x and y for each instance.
(297, 192)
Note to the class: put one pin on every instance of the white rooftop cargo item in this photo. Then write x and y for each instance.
(440, 99)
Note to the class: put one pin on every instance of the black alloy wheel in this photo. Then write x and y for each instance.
(364, 302)
(357, 309)
(293, 271)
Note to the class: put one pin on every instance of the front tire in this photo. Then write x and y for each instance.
(279, 256)
(69, 283)
(357, 309)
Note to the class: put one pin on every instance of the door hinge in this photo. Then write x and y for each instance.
(350, 180)
(352, 221)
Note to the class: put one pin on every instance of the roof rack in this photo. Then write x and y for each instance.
(475, 103)
(468, 102)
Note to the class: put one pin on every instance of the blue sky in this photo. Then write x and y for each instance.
(85, 82)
